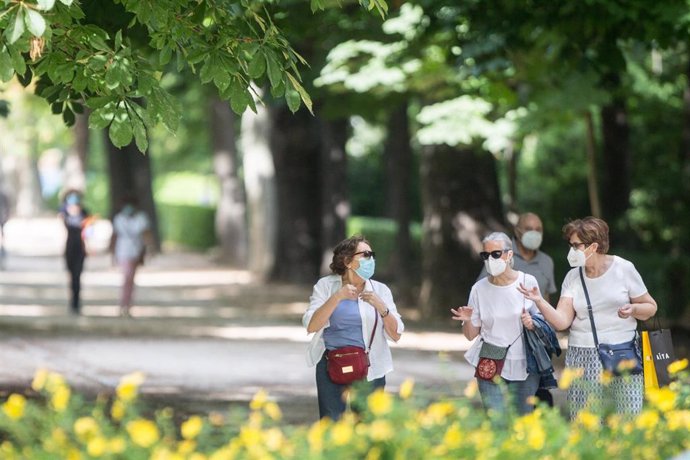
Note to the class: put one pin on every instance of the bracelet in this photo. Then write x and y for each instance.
(383, 315)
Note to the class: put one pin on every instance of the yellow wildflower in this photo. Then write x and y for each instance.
(86, 427)
(678, 420)
(273, 439)
(273, 410)
(588, 420)
(315, 434)
(186, 447)
(96, 446)
(128, 388)
(60, 398)
(250, 436)
(341, 434)
(143, 432)
(663, 399)
(14, 406)
(258, 400)
(569, 375)
(647, 420)
(192, 427)
(381, 430)
(529, 427)
(453, 436)
(471, 389)
(438, 411)
(606, 377)
(373, 454)
(380, 402)
(40, 378)
(116, 445)
(677, 366)
(54, 382)
(117, 411)
(406, 388)
(197, 456)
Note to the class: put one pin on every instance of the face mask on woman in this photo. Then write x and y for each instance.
(531, 240)
(495, 267)
(366, 268)
(577, 258)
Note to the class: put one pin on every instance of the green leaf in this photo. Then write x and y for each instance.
(275, 71)
(120, 131)
(140, 135)
(56, 108)
(68, 117)
(293, 100)
(18, 61)
(257, 65)
(165, 55)
(101, 118)
(35, 22)
(302, 92)
(66, 2)
(99, 43)
(98, 102)
(45, 4)
(118, 40)
(6, 68)
(239, 96)
(16, 28)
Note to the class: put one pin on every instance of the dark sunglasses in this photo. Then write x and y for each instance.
(366, 254)
(576, 245)
(495, 254)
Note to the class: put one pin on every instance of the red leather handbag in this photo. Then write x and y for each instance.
(349, 364)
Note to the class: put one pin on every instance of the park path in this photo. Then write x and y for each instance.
(203, 334)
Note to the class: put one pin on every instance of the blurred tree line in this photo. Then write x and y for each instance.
(424, 131)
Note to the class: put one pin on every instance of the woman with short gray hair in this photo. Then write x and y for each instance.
(496, 312)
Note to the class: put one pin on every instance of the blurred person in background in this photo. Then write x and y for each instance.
(131, 234)
(76, 218)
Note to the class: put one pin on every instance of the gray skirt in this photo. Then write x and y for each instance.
(624, 395)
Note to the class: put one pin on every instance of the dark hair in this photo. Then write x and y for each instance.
(343, 253)
(589, 230)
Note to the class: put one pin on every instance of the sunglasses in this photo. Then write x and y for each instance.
(366, 254)
(495, 254)
(576, 245)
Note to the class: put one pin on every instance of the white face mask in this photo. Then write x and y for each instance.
(495, 267)
(576, 258)
(531, 240)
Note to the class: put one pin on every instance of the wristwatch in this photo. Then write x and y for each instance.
(384, 314)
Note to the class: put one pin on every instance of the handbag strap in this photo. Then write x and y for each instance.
(373, 332)
(589, 309)
(523, 328)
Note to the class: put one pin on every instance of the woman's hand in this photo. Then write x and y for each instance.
(626, 311)
(462, 313)
(347, 291)
(527, 320)
(370, 297)
(530, 294)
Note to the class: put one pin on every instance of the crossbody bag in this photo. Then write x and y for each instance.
(346, 365)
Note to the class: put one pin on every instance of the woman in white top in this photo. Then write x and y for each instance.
(496, 313)
(130, 231)
(342, 312)
(619, 298)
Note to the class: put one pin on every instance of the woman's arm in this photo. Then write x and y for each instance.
(464, 314)
(642, 308)
(322, 314)
(385, 307)
(561, 317)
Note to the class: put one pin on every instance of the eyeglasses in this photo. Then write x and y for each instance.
(495, 254)
(366, 254)
(576, 244)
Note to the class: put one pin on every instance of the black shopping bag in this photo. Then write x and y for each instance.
(662, 353)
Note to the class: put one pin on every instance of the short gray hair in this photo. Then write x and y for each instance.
(499, 236)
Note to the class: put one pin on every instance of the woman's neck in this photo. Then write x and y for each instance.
(598, 266)
(350, 277)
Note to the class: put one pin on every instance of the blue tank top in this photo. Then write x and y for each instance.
(345, 329)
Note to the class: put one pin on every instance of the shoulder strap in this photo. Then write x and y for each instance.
(589, 309)
(373, 332)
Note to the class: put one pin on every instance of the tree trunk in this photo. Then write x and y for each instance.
(76, 161)
(513, 156)
(231, 226)
(592, 182)
(130, 174)
(398, 154)
(617, 157)
(260, 187)
(296, 150)
(461, 203)
(335, 202)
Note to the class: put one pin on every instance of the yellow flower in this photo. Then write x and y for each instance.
(380, 402)
(128, 388)
(453, 436)
(116, 445)
(569, 375)
(186, 447)
(60, 398)
(530, 427)
(250, 436)
(471, 389)
(663, 399)
(677, 366)
(143, 432)
(272, 410)
(117, 411)
(273, 439)
(678, 420)
(54, 382)
(85, 428)
(606, 377)
(39, 381)
(588, 420)
(406, 388)
(341, 433)
(381, 430)
(373, 454)
(258, 400)
(14, 406)
(315, 434)
(197, 456)
(647, 420)
(96, 447)
(192, 427)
